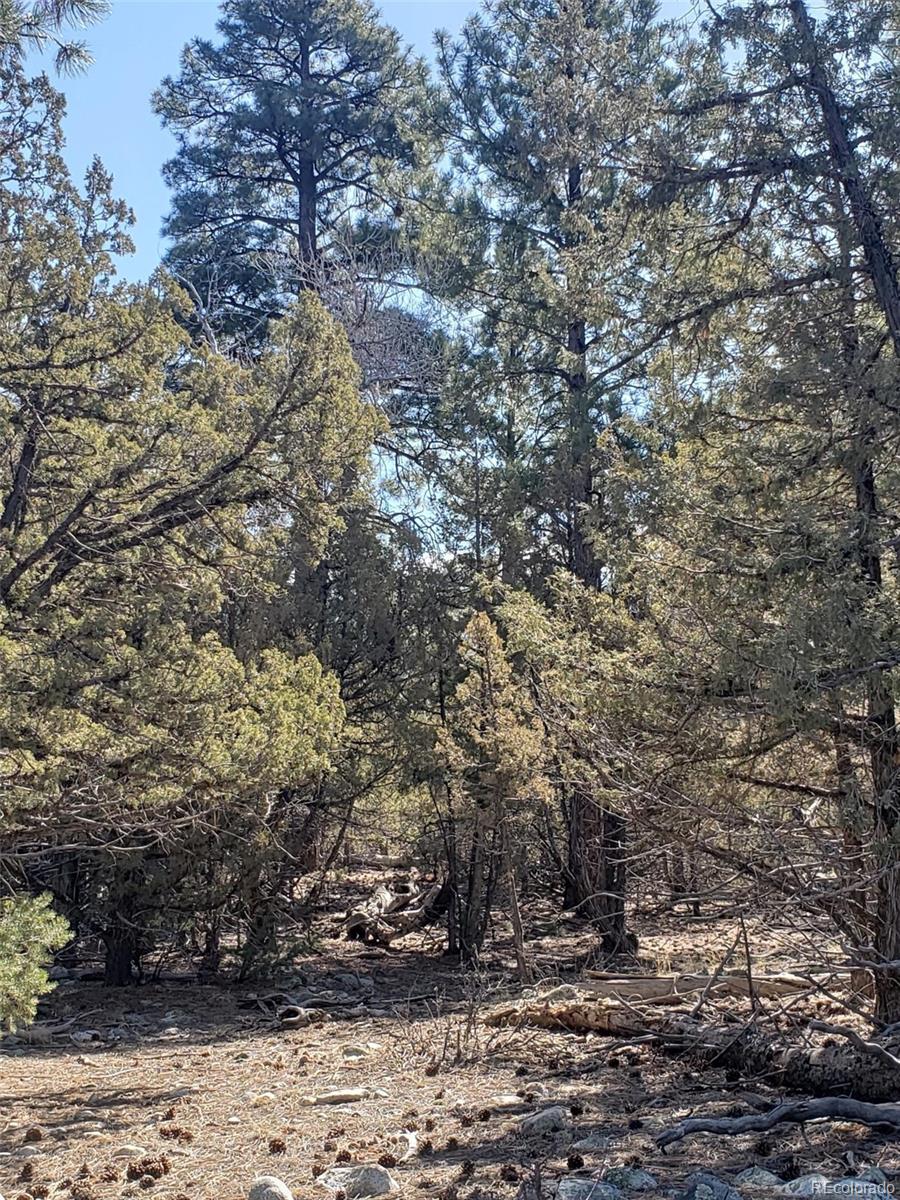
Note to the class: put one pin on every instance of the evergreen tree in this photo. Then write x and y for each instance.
(148, 479)
(43, 24)
(492, 751)
(543, 103)
(294, 133)
(29, 933)
(773, 503)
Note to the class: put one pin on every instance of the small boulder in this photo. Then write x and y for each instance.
(268, 1187)
(593, 1143)
(548, 1120)
(129, 1150)
(805, 1185)
(873, 1175)
(580, 1187)
(352, 1053)
(356, 1182)
(704, 1186)
(632, 1179)
(758, 1177)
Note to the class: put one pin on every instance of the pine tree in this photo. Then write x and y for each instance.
(29, 933)
(294, 133)
(543, 100)
(43, 24)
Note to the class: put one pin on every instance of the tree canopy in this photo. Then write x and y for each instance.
(500, 471)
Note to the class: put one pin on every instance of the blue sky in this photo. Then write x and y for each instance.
(134, 48)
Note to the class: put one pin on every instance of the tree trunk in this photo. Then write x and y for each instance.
(866, 220)
(882, 737)
(522, 964)
(596, 877)
(597, 871)
(472, 925)
(304, 178)
(121, 955)
(852, 819)
(820, 1071)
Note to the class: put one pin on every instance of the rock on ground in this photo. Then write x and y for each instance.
(342, 1096)
(704, 1186)
(593, 1143)
(632, 1179)
(575, 1187)
(758, 1177)
(548, 1120)
(268, 1187)
(357, 1181)
(805, 1185)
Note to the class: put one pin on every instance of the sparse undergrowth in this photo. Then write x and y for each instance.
(190, 1093)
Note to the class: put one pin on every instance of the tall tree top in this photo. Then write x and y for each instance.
(294, 127)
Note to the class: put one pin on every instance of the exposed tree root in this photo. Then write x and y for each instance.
(791, 1111)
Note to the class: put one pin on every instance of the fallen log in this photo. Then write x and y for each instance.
(662, 988)
(790, 1112)
(826, 1070)
(395, 909)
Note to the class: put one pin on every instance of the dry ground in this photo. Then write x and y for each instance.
(198, 1081)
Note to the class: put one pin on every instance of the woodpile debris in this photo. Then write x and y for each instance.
(396, 908)
(665, 1011)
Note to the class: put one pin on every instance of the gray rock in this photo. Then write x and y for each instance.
(704, 1186)
(594, 1143)
(805, 1185)
(343, 1096)
(368, 1179)
(86, 1037)
(268, 1187)
(758, 1177)
(548, 1120)
(353, 1053)
(632, 1179)
(577, 1187)
(873, 1175)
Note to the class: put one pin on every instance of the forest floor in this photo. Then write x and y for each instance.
(196, 1085)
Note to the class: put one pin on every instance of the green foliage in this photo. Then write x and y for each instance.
(297, 126)
(41, 23)
(29, 933)
(492, 744)
(152, 485)
(663, 453)
(537, 237)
